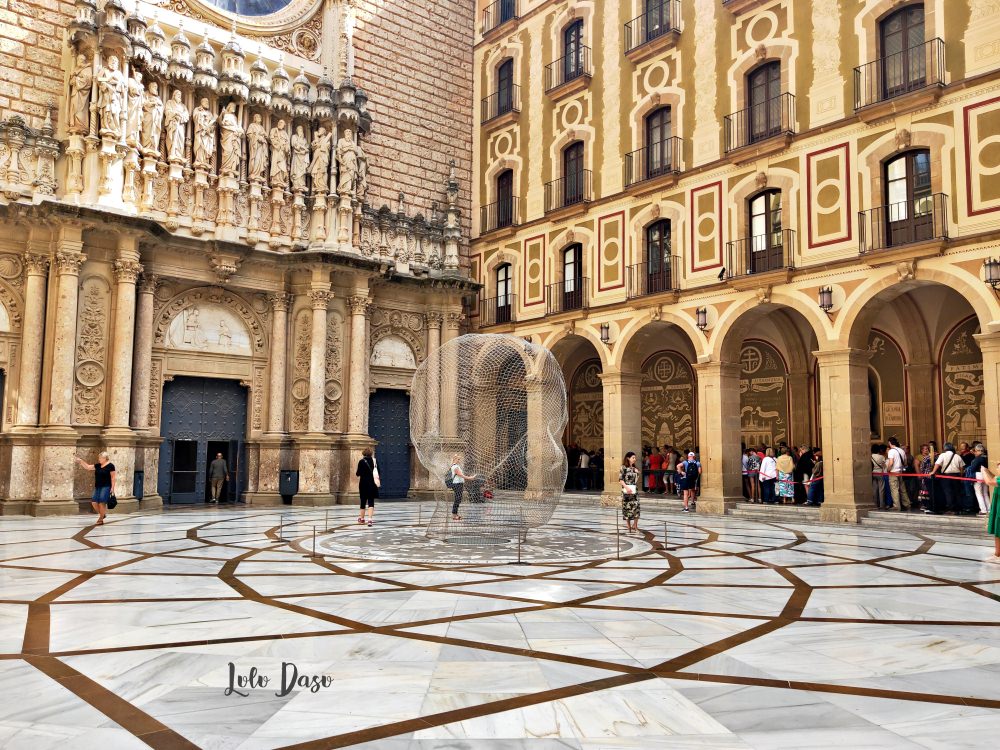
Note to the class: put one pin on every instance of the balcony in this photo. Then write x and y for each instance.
(644, 279)
(764, 259)
(501, 107)
(654, 32)
(499, 14)
(503, 214)
(655, 166)
(566, 296)
(761, 129)
(569, 74)
(742, 6)
(567, 192)
(904, 231)
(497, 311)
(901, 82)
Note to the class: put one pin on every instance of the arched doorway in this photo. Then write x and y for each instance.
(582, 371)
(961, 374)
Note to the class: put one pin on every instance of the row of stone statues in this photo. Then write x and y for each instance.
(137, 115)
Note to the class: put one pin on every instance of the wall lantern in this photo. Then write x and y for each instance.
(605, 333)
(701, 318)
(991, 271)
(826, 299)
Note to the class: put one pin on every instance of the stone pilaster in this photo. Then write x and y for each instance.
(317, 359)
(126, 272)
(846, 434)
(719, 440)
(357, 413)
(279, 348)
(622, 427)
(923, 401)
(434, 320)
(989, 343)
(799, 417)
(315, 447)
(143, 352)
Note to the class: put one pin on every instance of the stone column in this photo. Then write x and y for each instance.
(846, 434)
(434, 320)
(143, 352)
(317, 359)
(923, 399)
(32, 339)
(989, 343)
(315, 447)
(279, 348)
(357, 413)
(719, 436)
(126, 271)
(622, 427)
(799, 415)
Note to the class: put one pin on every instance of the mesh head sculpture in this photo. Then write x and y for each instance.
(495, 406)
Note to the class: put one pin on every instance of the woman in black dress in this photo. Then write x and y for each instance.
(104, 483)
(367, 487)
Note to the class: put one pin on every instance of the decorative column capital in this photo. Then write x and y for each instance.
(454, 320)
(359, 305)
(434, 318)
(37, 265)
(280, 301)
(149, 283)
(320, 298)
(126, 271)
(846, 356)
(69, 262)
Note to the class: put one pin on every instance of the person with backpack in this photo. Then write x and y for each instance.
(948, 467)
(456, 480)
(895, 464)
(688, 473)
(753, 474)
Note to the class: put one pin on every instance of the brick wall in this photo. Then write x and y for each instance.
(414, 60)
(31, 44)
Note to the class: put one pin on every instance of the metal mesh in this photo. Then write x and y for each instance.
(498, 404)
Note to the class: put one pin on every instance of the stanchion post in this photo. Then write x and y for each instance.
(281, 527)
(618, 537)
(326, 520)
(664, 535)
(314, 540)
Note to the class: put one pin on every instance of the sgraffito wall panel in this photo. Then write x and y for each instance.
(586, 417)
(611, 243)
(706, 227)
(668, 407)
(828, 196)
(763, 395)
(962, 384)
(982, 159)
(533, 282)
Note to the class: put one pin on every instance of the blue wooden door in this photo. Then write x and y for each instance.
(389, 424)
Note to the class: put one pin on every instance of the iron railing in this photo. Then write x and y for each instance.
(498, 215)
(900, 73)
(649, 278)
(653, 161)
(498, 13)
(920, 220)
(501, 102)
(497, 310)
(761, 121)
(658, 20)
(566, 295)
(568, 68)
(574, 188)
(766, 252)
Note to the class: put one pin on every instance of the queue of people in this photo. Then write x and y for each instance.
(786, 474)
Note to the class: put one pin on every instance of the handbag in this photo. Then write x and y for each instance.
(375, 476)
(112, 502)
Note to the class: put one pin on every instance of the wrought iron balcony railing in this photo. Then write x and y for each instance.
(658, 20)
(566, 191)
(894, 75)
(568, 68)
(653, 278)
(567, 295)
(497, 310)
(761, 121)
(499, 13)
(920, 220)
(653, 161)
(499, 215)
(500, 103)
(760, 254)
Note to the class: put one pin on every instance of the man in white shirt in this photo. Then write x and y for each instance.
(896, 465)
(583, 475)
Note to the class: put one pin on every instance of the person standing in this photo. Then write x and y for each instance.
(744, 472)
(655, 469)
(628, 477)
(815, 489)
(669, 470)
(975, 471)
(878, 476)
(688, 473)
(105, 477)
(458, 480)
(786, 469)
(218, 474)
(583, 471)
(947, 468)
(753, 475)
(895, 464)
(768, 476)
(803, 471)
(367, 487)
(993, 524)
(923, 465)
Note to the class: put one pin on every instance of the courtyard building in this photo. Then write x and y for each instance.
(746, 222)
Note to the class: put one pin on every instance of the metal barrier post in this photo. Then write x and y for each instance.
(281, 527)
(618, 537)
(314, 540)
(664, 535)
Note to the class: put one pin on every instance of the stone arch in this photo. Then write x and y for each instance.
(866, 24)
(583, 133)
(513, 163)
(781, 51)
(557, 343)
(410, 327)
(633, 336)
(496, 56)
(785, 180)
(13, 307)
(672, 97)
(392, 350)
(571, 12)
(737, 320)
(658, 209)
(561, 241)
(255, 326)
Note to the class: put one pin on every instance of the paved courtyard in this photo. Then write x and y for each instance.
(732, 634)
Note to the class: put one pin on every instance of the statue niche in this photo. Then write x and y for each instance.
(208, 327)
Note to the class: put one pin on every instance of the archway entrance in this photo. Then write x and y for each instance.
(582, 369)
(389, 425)
(201, 418)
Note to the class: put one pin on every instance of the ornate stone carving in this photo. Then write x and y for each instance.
(760, 180)
(175, 119)
(231, 140)
(906, 270)
(257, 148)
(453, 320)
(763, 295)
(149, 283)
(224, 266)
(319, 167)
(81, 82)
(91, 352)
(155, 388)
(826, 38)
(152, 121)
(69, 262)
(333, 390)
(300, 159)
(300, 371)
(347, 164)
(279, 301)
(903, 139)
(279, 155)
(359, 305)
(127, 271)
(254, 326)
(408, 326)
(320, 298)
(257, 399)
(434, 318)
(760, 53)
(111, 96)
(36, 264)
(133, 120)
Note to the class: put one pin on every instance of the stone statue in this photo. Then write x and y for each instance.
(175, 120)
(231, 140)
(111, 92)
(347, 161)
(152, 121)
(361, 189)
(300, 159)
(136, 92)
(204, 135)
(257, 145)
(319, 167)
(279, 155)
(80, 83)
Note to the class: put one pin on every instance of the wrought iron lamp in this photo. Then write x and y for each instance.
(991, 272)
(701, 318)
(605, 333)
(826, 299)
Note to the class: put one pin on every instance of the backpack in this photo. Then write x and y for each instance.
(449, 479)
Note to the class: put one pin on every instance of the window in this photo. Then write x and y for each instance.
(573, 51)
(658, 155)
(658, 257)
(573, 277)
(909, 205)
(505, 198)
(508, 8)
(764, 231)
(505, 87)
(904, 58)
(573, 175)
(764, 96)
(505, 293)
(657, 13)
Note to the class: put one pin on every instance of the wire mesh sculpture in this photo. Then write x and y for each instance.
(495, 405)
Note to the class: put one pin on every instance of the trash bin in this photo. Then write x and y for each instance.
(288, 485)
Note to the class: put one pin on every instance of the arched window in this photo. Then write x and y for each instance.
(573, 173)
(505, 198)
(658, 266)
(572, 263)
(908, 200)
(904, 57)
(505, 87)
(764, 101)
(765, 246)
(505, 293)
(573, 50)
(659, 158)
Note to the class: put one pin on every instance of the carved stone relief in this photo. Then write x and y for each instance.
(406, 325)
(333, 390)
(155, 388)
(208, 328)
(300, 371)
(91, 351)
(213, 299)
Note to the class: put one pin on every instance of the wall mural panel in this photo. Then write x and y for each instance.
(828, 194)
(763, 395)
(611, 244)
(706, 227)
(962, 384)
(91, 351)
(534, 271)
(888, 413)
(982, 168)
(667, 397)
(586, 421)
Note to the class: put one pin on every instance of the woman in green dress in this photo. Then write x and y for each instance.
(628, 478)
(993, 524)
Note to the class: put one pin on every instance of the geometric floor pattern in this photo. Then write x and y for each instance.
(728, 634)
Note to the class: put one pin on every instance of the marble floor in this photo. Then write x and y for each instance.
(701, 632)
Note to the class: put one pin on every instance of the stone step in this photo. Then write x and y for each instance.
(660, 502)
(973, 526)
